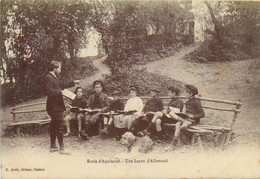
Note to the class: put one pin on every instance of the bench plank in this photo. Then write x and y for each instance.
(209, 127)
(28, 111)
(30, 122)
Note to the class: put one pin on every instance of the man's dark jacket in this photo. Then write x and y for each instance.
(53, 87)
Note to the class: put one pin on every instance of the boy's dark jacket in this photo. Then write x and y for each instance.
(103, 99)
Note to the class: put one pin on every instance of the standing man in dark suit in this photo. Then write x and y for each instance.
(55, 104)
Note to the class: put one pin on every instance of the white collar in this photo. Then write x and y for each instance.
(53, 73)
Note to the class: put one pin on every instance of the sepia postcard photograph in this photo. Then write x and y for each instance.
(130, 89)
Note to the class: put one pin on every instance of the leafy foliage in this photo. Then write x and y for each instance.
(211, 50)
(34, 33)
(124, 28)
(235, 34)
(140, 78)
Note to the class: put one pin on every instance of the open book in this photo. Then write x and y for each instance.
(126, 112)
(182, 115)
(67, 93)
(90, 110)
(110, 113)
(177, 112)
(148, 113)
(77, 109)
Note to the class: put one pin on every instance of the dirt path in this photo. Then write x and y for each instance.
(102, 70)
(235, 80)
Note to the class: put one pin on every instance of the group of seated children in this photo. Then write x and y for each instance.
(140, 120)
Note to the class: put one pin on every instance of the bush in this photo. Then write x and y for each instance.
(212, 50)
(142, 79)
(16, 93)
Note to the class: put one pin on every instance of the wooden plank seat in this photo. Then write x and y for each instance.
(45, 121)
(197, 131)
(200, 130)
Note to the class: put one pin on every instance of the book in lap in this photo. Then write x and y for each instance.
(148, 113)
(77, 110)
(178, 112)
(126, 112)
(182, 115)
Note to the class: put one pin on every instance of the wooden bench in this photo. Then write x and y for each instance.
(224, 130)
(222, 106)
(20, 110)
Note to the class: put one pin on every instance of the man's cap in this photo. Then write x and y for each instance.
(173, 89)
(192, 88)
(98, 82)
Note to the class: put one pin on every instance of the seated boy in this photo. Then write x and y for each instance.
(165, 116)
(152, 105)
(80, 102)
(98, 102)
(123, 122)
(193, 109)
(116, 105)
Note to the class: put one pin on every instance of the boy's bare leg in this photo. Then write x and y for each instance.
(107, 122)
(186, 124)
(129, 119)
(177, 132)
(158, 127)
(111, 119)
(80, 118)
(176, 139)
(157, 115)
(67, 123)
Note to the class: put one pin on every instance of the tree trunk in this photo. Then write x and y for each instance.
(218, 28)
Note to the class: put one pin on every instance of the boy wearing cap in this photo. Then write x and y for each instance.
(98, 101)
(193, 105)
(165, 116)
(193, 109)
(152, 105)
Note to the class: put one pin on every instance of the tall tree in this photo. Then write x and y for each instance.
(36, 32)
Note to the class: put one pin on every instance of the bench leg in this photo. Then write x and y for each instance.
(193, 139)
(18, 131)
(199, 142)
(223, 139)
(228, 136)
(179, 141)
